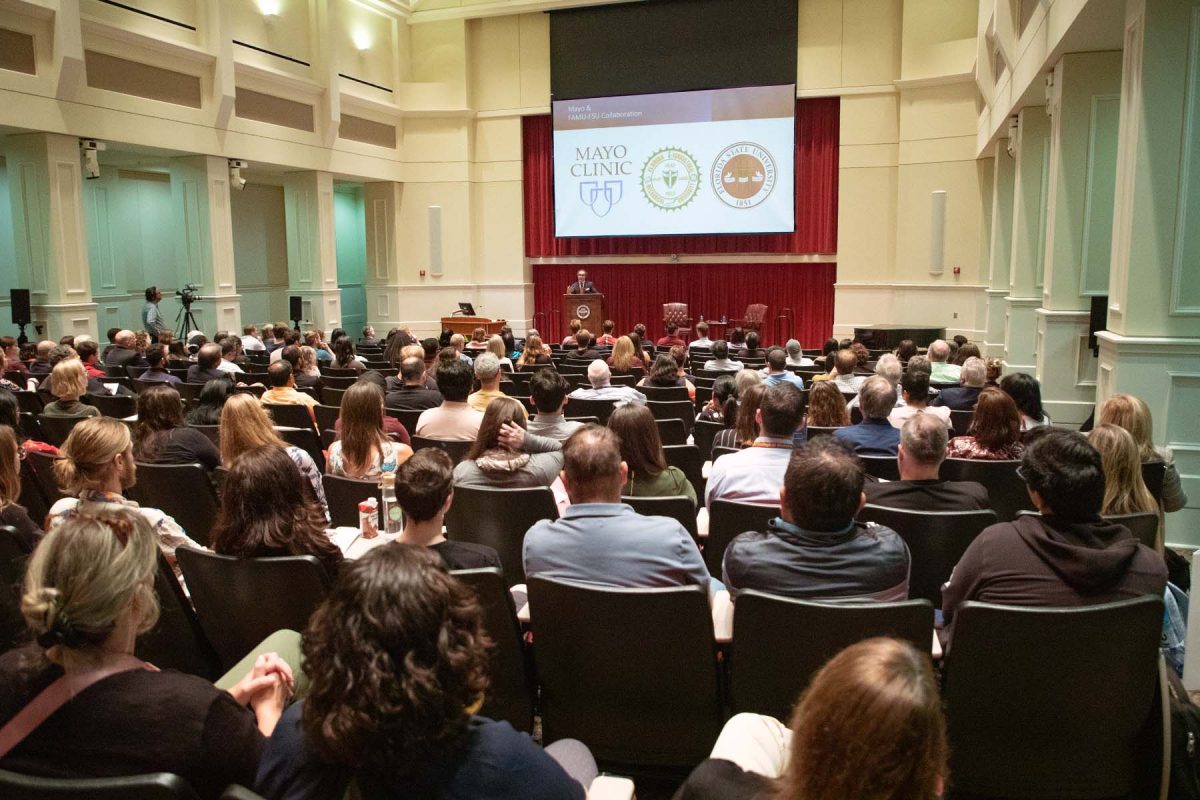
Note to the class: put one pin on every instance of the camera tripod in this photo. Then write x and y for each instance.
(185, 321)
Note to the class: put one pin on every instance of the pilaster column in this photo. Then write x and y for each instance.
(204, 240)
(999, 249)
(1152, 345)
(311, 246)
(381, 209)
(1028, 240)
(1084, 105)
(50, 238)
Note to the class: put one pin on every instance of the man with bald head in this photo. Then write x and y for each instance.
(459, 343)
(207, 366)
(972, 377)
(600, 378)
(122, 353)
(941, 371)
(921, 452)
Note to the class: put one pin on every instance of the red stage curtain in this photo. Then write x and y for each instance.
(635, 293)
(817, 122)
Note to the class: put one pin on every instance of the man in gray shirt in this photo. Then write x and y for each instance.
(548, 391)
(721, 362)
(600, 540)
(152, 319)
(600, 377)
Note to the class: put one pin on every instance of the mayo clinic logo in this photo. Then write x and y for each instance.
(743, 175)
(601, 197)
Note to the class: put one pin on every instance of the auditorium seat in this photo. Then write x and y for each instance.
(727, 519)
(32, 497)
(814, 431)
(177, 641)
(337, 372)
(307, 440)
(936, 542)
(57, 429)
(42, 465)
(499, 518)
(116, 406)
(408, 417)
(1154, 473)
(343, 495)
(600, 409)
(456, 450)
(882, 467)
(242, 601)
(779, 643)
(671, 431)
(680, 508)
(664, 393)
(155, 786)
(718, 451)
(1055, 702)
(30, 402)
(1005, 488)
(1143, 526)
(331, 396)
(182, 491)
(703, 434)
(290, 416)
(960, 421)
(13, 557)
(511, 684)
(673, 409)
(327, 416)
(633, 704)
(689, 461)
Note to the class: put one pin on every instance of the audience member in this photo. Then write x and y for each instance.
(305, 371)
(906, 350)
(207, 409)
(995, 431)
(752, 350)
(89, 356)
(966, 350)
(283, 392)
(290, 337)
(454, 419)
(231, 352)
(602, 389)
(754, 475)
(267, 509)
(642, 451)
(874, 436)
(1132, 414)
(742, 429)
(12, 513)
(667, 373)
(534, 353)
(583, 347)
(12, 354)
(94, 468)
(914, 390)
(505, 455)
(817, 550)
(156, 357)
(250, 340)
(776, 371)
(701, 339)
(922, 450)
(123, 353)
(496, 346)
(487, 371)
(723, 393)
(720, 361)
(640, 351)
(88, 595)
(826, 406)
(548, 393)
(411, 393)
(870, 725)
(425, 490)
(207, 366)
(1068, 556)
(1025, 391)
(363, 449)
(160, 437)
(177, 355)
(795, 355)
(1125, 491)
(10, 415)
(828, 353)
(845, 362)
(41, 364)
(606, 338)
(344, 356)
(972, 376)
(624, 359)
(68, 383)
(672, 338)
(478, 340)
(569, 340)
(600, 540)
(246, 426)
(994, 367)
(940, 370)
(410, 639)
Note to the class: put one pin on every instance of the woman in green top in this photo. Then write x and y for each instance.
(68, 383)
(642, 452)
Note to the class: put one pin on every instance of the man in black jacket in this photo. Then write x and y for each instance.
(921, 452)
(206, 367)
(412, 393)
(122, 353)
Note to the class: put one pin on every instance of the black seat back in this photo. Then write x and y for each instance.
(689, 461)
(42, 466)
(57, 429)
(1050, 702)
(511, 685)
(327, 416)
(241, 601)
(456, 450)
(290, 416)
(307, 439)
(726, 519)
(1005, 487)
(408, 417)
(664, 393)
(32, 497)
(499, 518)
(671, 431)
(703, 435)
(1143, 526)
(673, 409)
(816, 430)
(779, 643)
(882, 467)
(119, 406)
(182, 491)
(177, 641)
(936, 541)
(1154, 473)
(960, 421)
(719, 451)
(156, 786)
(343, 496)
(632, 672)
(680, 508)
(13, 557)
(582, 407)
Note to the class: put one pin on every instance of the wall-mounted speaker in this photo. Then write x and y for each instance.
(435, 241)
(296, 308)
(937, 232)
(21, 314)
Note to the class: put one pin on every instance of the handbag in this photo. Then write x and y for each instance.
(1185, 742)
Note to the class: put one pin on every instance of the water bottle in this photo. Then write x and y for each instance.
(393, 517)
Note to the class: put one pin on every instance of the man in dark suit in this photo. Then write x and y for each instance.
(962, 398)
(922, 449)
(581, 285)
(122, 353)
(206, 367)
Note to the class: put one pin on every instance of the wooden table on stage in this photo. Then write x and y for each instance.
(467, 325)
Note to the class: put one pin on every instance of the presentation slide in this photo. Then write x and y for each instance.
(718, 161)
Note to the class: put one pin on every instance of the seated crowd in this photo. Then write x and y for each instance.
(381, 691)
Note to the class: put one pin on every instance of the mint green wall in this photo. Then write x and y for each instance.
(8, 257)
(350, 232)
(260, 252)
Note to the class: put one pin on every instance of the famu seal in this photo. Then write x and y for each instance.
(743, 175)
(670, 179)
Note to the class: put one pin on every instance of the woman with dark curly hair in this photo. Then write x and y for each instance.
(397, 659)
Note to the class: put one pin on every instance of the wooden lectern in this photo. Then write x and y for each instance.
(467, 325)
(587, 308)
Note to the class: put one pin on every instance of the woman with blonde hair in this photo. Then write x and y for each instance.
(1132, 414)
(868, 727)
(364, 450)
(505, 455)
(535, 352)
(1124, 490)
(826, 406)
(68, 383)
(624, 358)
(11, 512)
(495, 346)
(88, 595)
(245, 426)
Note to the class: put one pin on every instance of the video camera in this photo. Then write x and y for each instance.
(188, 294)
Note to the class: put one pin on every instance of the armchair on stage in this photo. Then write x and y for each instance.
(756, 314)
(677, 314)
